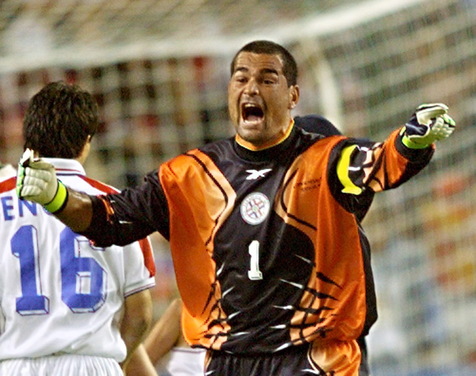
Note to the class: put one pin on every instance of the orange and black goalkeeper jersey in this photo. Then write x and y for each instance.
(267, 245)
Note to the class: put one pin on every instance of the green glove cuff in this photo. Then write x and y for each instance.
(59, 200)
(412, 144)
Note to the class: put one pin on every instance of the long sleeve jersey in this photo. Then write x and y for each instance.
(267, 245)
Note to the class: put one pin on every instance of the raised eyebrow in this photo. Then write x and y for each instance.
(241, 69)
(269, 71)
(263, 71)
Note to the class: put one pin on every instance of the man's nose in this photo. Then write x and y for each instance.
(252, 87)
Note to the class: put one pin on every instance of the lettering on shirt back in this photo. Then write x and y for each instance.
(12, 207)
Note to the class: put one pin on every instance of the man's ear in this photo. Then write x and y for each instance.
(84, 154)
(293, 96)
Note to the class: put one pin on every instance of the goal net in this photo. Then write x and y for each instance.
(159, 71)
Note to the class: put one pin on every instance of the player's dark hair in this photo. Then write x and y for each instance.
(290, 69)
(59, 119)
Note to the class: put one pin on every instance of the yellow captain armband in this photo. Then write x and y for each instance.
(59, 200)
(343, 171)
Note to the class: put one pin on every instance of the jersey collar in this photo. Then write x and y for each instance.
(250, 146)
(66, 166)
(273, 152)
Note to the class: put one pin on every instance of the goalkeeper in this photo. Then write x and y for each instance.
(271, 261)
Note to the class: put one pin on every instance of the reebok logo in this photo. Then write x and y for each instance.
(255, 174)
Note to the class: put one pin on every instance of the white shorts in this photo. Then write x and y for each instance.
(64, 365)
(183, 361)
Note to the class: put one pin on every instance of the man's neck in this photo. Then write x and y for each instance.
(250, 146)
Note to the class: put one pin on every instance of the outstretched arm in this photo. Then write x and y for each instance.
(381, 166)
(77, 214)
(117, 218)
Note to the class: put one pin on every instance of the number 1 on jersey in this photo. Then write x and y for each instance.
(24, 247)
(254, 273)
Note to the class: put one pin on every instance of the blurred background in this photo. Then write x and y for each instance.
(159, 70)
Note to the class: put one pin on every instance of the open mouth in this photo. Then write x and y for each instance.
(251, 113)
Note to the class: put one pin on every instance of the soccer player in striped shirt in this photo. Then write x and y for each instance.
(68, 307)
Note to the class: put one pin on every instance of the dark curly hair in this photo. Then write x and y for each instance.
(59, 119)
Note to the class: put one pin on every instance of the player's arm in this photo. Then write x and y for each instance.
(136, 321)
(107, 219)
(381, 166)
(140, 364)
(78, 212)
(165, 333)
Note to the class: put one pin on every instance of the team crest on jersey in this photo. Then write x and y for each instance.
(255, 208)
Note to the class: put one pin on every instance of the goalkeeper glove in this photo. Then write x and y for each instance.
(36, 181)
(428, 124)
